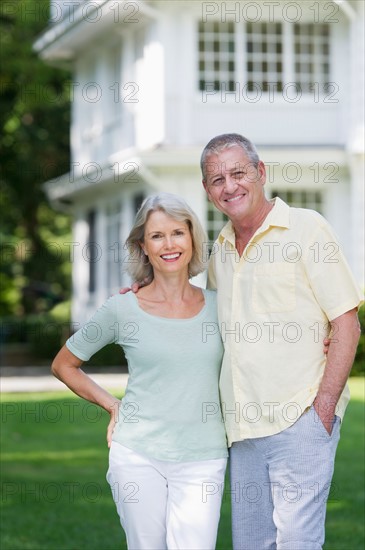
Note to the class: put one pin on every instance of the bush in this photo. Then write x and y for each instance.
(47, 332)
(359, 364)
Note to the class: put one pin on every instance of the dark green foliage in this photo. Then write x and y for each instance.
(34, 146)
(45, 334)
(359, 365)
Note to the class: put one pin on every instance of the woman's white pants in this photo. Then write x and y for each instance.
(166, 505)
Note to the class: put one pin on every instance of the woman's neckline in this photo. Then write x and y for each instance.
(172, 318)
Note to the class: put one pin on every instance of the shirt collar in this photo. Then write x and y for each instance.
(279, 216)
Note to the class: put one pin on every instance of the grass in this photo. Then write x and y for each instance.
(55, 496)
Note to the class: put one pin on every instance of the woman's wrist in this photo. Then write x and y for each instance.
(113, 407)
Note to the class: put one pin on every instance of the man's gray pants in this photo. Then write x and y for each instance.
(280, 486)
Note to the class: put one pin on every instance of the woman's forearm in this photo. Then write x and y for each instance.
(66, 367)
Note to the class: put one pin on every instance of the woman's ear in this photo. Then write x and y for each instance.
(143, 248)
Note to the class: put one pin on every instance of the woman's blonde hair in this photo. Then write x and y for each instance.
(138, 265)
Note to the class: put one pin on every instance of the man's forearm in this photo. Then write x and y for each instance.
(340, 357)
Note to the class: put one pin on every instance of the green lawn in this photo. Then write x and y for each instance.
(54, 493)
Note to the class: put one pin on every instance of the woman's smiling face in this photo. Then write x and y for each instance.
(167, 243)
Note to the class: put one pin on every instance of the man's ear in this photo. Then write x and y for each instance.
(206, 189)
(261, 169)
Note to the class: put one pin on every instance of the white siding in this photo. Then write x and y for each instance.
(147, 73)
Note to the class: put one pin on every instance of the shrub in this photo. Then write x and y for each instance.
(47, 332)
(359, 364)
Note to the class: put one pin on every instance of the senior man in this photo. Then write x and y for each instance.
(283, 284)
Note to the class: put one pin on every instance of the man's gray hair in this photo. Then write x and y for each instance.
(224, 141)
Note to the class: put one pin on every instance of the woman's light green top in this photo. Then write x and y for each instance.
(171, 408)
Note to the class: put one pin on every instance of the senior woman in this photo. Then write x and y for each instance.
(167, 441)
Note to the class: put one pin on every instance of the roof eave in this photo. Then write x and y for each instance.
(59, 42)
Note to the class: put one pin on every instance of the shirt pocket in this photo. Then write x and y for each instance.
(274, 288)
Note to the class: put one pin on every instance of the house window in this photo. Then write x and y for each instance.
(137, 201)
(113, 228)
(216, 55)
(215, 221)
(264, 56)
(255, 55)
(89, 94)
(312, 63)
(112, 98)
(301, 198)
(92, 254)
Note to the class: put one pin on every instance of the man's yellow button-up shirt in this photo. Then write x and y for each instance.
(274, 307)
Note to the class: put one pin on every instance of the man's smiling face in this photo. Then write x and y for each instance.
(234, 184)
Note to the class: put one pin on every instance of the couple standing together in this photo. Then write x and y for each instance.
(281, 285)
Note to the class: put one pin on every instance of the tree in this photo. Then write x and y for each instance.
(35, 118)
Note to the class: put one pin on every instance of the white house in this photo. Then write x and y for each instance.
(153, 81)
